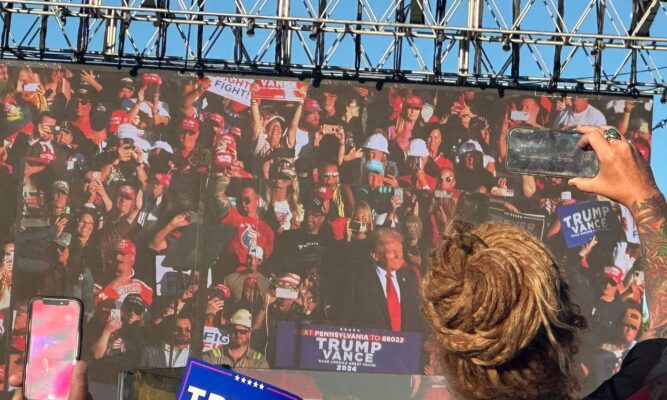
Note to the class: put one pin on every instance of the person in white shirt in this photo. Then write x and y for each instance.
(578, 111)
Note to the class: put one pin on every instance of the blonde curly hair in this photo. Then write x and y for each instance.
(501, 313)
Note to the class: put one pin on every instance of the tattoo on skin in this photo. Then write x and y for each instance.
(650, 217)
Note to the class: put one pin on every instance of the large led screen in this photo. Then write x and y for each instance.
(252, 221)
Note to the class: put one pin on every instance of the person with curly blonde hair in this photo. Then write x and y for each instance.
(499, 304)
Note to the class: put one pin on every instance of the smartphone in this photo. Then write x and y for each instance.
(66, 212)
(31, 87)
(329, 129)
(53, 346)
(287, 293)
(357, 226)
(533, 151)
(519, 115)
(442, 194)
(399, 192)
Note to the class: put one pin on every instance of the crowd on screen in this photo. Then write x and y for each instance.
(322, 209)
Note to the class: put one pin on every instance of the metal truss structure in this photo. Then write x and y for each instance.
(583, 45)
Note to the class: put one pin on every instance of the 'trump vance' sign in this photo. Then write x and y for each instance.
(581, 221)
(203, 381)
(333, 348)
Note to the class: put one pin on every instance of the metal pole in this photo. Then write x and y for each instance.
(440, 10)
(516, 47)
(283, 36)
(474, 22)
(599, 45)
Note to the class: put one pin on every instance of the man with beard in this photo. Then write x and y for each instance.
(173, 351)
(294, 247)
(238, 353)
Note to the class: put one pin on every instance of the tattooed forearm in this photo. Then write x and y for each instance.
(650, 217)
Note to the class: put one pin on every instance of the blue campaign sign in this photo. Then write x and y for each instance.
(335, 348)
(583, 220)
(203, 381)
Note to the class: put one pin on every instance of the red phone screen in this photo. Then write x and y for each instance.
(53, 347)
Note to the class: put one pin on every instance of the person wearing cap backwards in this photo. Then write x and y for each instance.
(418, 156)
(251, 230)
(59, 208)
(374, 191)
(76, 148)
(249, 278)
(292, 247)
(238, 353)
(82, 108)
(121, 340)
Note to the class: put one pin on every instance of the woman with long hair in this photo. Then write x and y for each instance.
(280, 202)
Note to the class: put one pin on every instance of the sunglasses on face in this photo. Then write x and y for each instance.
(448, 178)
(611, 282)
(331, 175)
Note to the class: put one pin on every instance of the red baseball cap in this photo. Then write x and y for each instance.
(154, 79)
(324, 193)
(125, 246)
(44, 157)
(225, 140)
(218, 119)
(615, 273)
(127, 191)
(220, 288)
(118, 118)
(190, 125)
(163, 179)
(311, 105)
(224, 159)
(414, 102)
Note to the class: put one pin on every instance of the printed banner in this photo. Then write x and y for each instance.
(203, 381)
(533, 223)
(334, 348)
(213, 338)
(236, 89)
(279, 90)
(581, 221)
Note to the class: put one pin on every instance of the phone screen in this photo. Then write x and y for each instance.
(53, 347)
(551, 153)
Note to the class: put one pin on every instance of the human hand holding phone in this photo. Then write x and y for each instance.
(53, 347)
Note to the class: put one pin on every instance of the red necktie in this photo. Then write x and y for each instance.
(393, 305)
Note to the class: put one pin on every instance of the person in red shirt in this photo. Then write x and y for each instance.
(251, 230)
(111, 295)
(436, 160)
